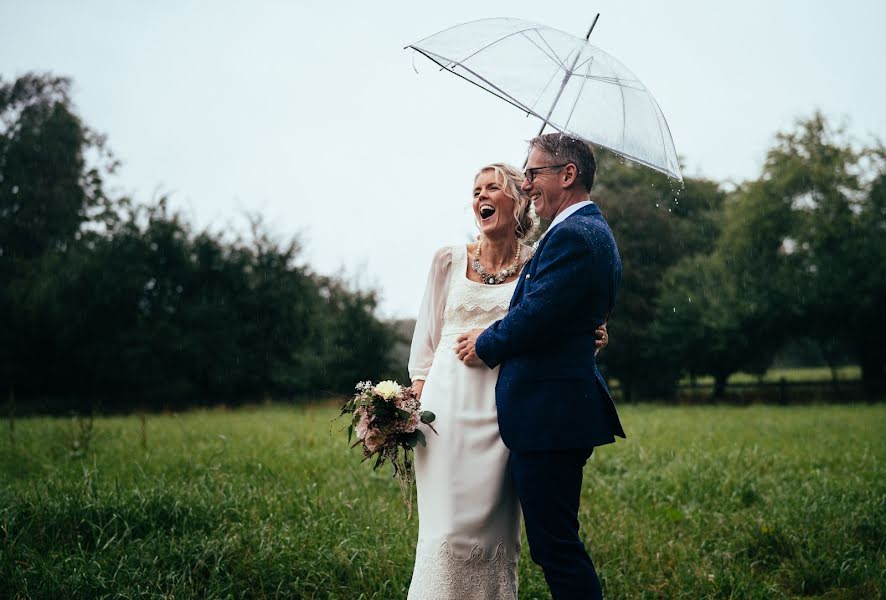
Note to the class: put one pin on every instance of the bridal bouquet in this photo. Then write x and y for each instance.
(385, 417)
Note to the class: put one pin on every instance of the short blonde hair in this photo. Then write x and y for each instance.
(511, 179)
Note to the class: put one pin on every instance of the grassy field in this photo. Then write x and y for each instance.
(699, 502)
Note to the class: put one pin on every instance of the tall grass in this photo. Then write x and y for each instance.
(702, 502)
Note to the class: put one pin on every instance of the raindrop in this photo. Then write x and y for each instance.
(656, 205)
(675, 309)
(690, 298)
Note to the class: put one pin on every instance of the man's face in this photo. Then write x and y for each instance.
(544, 189)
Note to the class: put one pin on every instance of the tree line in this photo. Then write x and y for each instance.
(103, 300)
(719, 281)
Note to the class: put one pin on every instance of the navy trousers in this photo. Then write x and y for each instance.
(549, 487)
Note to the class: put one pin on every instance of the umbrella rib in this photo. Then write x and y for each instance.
(556, 58)
(640, 161)
(510, 100)
(456, 26)
(590, 58)
(492, 43)
(501, 93)
(624, 114)
(584, 80)
(545, 88)
(668, 127)
(615, 81)
(664, 149)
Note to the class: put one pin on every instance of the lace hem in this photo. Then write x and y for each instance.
(442, 575)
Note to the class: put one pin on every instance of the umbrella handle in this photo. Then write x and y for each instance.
(588, 36)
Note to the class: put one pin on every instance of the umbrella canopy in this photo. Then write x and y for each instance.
(567, 82)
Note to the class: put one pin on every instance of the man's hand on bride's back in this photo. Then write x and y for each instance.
(602, 338)
(465, 349)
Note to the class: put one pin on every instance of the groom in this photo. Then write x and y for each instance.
(553, 406)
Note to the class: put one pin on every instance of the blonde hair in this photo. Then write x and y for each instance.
(511, 179)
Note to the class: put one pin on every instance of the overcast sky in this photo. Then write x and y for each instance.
(312, 114)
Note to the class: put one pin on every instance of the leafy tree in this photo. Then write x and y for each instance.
(867, 320)
(655, 226)
(47, 191)
(795, 260)
(835, 189)
(701, 318)
(168, 317)
(356, 346)
(103, 299)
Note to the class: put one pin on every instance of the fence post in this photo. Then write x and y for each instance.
(144, 430)
(783, 391)
(12, 414)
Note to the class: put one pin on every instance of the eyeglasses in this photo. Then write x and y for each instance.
(529, 174)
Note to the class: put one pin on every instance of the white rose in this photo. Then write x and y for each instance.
(387, 389)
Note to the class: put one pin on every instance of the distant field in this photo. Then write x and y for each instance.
(848, 373)
(805, 374)
(699, 502)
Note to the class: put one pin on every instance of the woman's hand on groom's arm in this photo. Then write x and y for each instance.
(466, 350)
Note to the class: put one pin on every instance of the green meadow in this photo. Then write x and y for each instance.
(269, 502)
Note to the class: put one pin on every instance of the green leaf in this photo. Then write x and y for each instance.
(379, 462)
(427, 417)
(350, 432)
(411, 438)
(421, 439)
(404, 414)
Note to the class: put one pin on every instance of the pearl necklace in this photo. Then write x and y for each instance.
(502, 275)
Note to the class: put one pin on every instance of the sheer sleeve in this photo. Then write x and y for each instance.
(430, 316)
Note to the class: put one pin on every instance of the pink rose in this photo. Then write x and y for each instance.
(362, 425)
(374, 440)
(412, 423)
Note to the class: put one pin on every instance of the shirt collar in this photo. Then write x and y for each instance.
(568, 211)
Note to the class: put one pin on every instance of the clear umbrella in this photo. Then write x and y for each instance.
(567, 82)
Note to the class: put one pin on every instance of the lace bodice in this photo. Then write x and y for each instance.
(453, 304)
(470, 304)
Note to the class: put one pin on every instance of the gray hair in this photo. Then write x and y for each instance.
(567, 149)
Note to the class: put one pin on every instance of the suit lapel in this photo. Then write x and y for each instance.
(588, 211)
(518, 289)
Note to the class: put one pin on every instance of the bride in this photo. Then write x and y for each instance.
(469, 514)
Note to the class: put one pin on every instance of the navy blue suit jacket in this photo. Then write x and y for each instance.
(550, 395)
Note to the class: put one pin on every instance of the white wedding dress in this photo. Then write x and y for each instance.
(468, 511)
